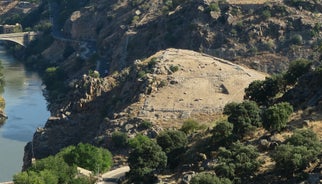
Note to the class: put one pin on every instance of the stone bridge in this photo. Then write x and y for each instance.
(21, 38)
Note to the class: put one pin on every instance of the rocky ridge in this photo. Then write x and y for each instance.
(199, 87)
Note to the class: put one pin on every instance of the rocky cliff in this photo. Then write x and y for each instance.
(165, 89)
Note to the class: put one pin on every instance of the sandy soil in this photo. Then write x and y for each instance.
(202, 85)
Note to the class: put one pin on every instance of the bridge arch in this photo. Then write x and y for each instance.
(22, 38)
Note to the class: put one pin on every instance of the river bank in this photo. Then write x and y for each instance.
(26, 109)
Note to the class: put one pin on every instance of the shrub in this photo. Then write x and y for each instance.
(296, 39)
(206, 178)
(119, 139)
(174, 68)
(94, 73)
(214, 6)
(189, 126)
(145, 125)
(266, 14)
(222, 133)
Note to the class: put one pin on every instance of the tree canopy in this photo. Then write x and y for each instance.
(300, 149)
(238, 162)
(275, 117)
(145, 158)
(89, 157)
(244, 116)
(207, 178)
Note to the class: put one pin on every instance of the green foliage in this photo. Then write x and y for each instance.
(296, 39)
(206, 178)
(120, 139)
(89, 157)
(174, 68)
(94, 73)
(222, 133)
(244, 116)
(263, 92)
(141, 74)
(214, 6)
(145, 125)
(172, 139)
(53, 78)
(307, 138)
(52, 170)
(275, 117)
(296, 69)
(145, 157)
(136, 2)
(44, 26)
(266, 14)
(190, 126)
(173, 143)
(302, 148)
(238, 163)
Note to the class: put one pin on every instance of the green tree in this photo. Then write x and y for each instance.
(275, 117)
(244, 116)
(89, 157)
(50, 170)
(172, 139)
(238, 162)
(173, 143)
(145, 158)
(207, 178)
(222, 133)
(296, 69)
(263, 92)
(300, 149)
(120, 139)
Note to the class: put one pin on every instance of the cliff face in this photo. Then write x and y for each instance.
(264, 36)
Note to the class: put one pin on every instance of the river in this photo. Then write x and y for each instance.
(26, 109)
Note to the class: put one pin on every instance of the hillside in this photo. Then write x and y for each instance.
(144, 66)
(200, 88)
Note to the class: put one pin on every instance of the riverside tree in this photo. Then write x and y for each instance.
(89, 157)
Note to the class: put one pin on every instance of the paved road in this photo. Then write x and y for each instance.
(111, 177)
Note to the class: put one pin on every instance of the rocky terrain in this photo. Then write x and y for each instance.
(166, 63)
(199, 88)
